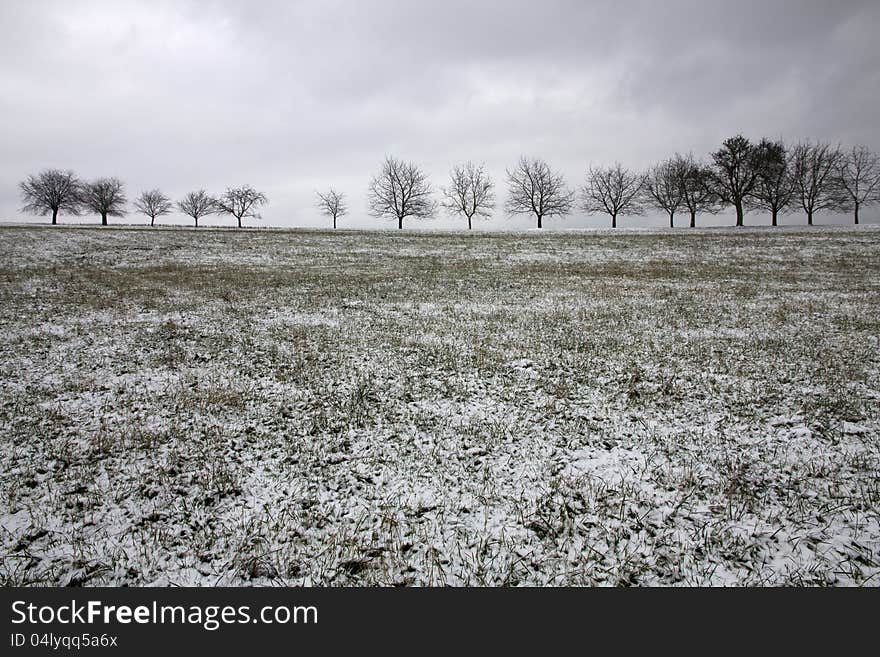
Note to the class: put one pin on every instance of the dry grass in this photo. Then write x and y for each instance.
(303, 407)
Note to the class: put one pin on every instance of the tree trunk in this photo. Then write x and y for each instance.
(855, 214)
(809, 218)
(739, 213)
(239, 221)
(672, 220)
(197, 221)
(399, 223)
(103, 218)
(55, 216)
(773, 215)
(693, 219)
(152, 221)
(539, 220)
(469, 222)
(334, 222)
(614, 221)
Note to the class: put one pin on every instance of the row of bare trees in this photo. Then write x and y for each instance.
(54, 191)
(768, 176)
(765, 176)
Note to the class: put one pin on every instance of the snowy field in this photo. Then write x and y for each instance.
(300, 408)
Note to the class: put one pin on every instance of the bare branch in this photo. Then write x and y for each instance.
(858, 173)
(814, 169)
(735, 173)
(774, 186)
(613, 190)
(104, 196)
(663, 187)
(534, 188)
(197, 205)
(470, 193)
(400, 189)
(153, 203)
(241, 202)
(332, 204)
(697, 188)
(51, 191)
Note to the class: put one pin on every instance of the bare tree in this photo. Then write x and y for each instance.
(197, 205)
(332, 204)
(858, 174)
(697, 189)
(51, 191)
(614, 190)
(471, 192)
(735, 173)
(774, 187)
(153, 203)
(104, 196)
(241, 202)
(400, 189)
(663, 188)
(814, 168)
(534, 188)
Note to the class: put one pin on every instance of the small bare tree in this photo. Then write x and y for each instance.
(471, 192)
(400, 190)
(104, 196)
(241, 202)
(197, 205)
(814, 168)
(51, 191)
(774, 187)
(663, 188)
(697, 192)
(153, 203)
(858, 174)
(613, 190)
(735, 173)
(332, 204)
(534, 188)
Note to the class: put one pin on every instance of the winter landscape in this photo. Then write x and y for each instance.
(304, 407)
(469, 293)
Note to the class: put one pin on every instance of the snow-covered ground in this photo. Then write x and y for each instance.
(302, 407)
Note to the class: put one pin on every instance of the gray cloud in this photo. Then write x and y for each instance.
(291, 97)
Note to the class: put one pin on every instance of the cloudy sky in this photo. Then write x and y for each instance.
(292, 97)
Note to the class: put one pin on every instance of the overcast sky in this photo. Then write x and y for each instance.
(292, 97)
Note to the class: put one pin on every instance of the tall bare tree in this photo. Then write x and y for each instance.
(534, 188)
(400, 190)
(814, 168)
(735, 173)
(613, 190)
(153, 203)
(663, 188)
(697, 187)
(471, 192)
(197, 205)
(332, 204)
(104, 196)
(241, 202)
(774, 187)
(51, 191)
(858, 173)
